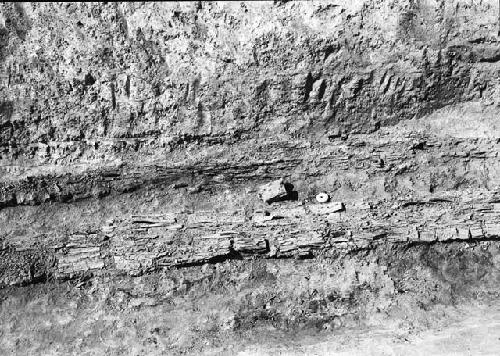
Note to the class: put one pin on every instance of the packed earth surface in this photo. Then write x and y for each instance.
(250, 178)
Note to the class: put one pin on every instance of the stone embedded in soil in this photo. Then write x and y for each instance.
(274, 191)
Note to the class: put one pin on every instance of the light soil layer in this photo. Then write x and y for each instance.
(135, 139)
(474, 332)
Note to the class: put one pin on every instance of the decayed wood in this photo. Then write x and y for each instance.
(145, 241)
(148, 241)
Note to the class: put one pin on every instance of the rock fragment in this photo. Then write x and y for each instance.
(276, 191)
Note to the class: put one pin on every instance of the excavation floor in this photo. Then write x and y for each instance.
(475, 330)
(57, 319)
